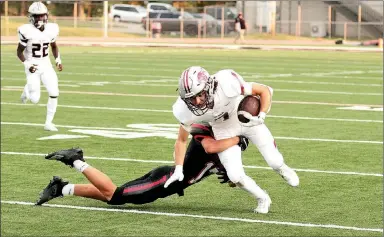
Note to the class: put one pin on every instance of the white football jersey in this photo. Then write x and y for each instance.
(227, 96)
(186, 117)
(37, 42)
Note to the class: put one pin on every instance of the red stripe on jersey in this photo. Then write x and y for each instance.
(201, 126)
(199, 138)
(241, 84)
(146, 186)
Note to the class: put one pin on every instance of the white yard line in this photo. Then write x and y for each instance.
(330, 92)
(171, 162)
(170, 111)
(334, 74)
(220, 218)
(168, 67)
(175, 96)
(164, 79)
(125, 129)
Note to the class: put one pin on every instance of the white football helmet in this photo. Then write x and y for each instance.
(196, 81)
(38, 14)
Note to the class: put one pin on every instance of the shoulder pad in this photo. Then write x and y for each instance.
(201, 131)
(230, 82)
(181, 112)
(23, 30)
(54, 28)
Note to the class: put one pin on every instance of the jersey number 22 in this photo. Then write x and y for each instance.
(37, 52)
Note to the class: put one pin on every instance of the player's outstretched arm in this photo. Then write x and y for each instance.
(212, 146)
(180, 150)
(56, 54)
(265, 96)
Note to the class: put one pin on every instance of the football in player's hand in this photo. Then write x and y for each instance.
(250, 104)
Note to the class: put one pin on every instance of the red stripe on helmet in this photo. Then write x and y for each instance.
(186, 86)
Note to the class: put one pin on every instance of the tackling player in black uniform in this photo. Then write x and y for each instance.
(201, 161)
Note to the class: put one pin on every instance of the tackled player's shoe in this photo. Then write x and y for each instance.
(67, 156)
(263, 204)
(53, 190)
(50, 127)
(289, 175)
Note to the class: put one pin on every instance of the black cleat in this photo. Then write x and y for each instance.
(67, 156)
(53, 190)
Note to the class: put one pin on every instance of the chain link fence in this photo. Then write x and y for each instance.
(353, 20)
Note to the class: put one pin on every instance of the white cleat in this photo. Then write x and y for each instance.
(50, 127)
(263, 204)
(289, 175)
(23, 98)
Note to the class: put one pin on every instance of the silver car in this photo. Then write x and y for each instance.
(129, 13)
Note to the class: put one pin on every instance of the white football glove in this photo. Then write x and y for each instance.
(177, 175)
(253, 120)
(30, 66)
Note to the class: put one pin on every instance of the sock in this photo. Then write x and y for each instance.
(51, 109)
(68, 190)
(250, 186)
(80, 165)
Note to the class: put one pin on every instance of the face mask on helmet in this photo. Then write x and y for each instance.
(38, 20)
(200, 103)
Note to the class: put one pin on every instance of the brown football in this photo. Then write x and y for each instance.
(250, 104)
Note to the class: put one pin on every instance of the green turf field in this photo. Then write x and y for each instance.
(108, 95)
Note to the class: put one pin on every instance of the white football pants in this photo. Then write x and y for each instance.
(48, 77)
(258, 135)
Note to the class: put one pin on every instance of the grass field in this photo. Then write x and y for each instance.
(110, 94)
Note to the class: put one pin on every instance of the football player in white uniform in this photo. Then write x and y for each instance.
(215, 99)
(33, 52)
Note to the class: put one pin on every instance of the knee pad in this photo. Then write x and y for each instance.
(53, 93)
(235, 177)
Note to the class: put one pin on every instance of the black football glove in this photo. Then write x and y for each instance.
(222, 175)
(243, 143)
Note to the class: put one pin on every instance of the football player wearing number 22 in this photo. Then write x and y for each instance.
(33, 52)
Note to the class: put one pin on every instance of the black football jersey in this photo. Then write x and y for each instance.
(197, 163)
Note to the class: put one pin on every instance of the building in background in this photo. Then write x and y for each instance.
(316, 18)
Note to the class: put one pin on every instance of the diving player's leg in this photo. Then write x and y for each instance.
(88, 191)
(145, 189)
(50, 81)
(74, 158)
(265, 143)
(58, 188)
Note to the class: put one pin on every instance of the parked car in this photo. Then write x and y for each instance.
(170, 22)
(129, 13)
(212, 24)
(160, 7)
(230, 14)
